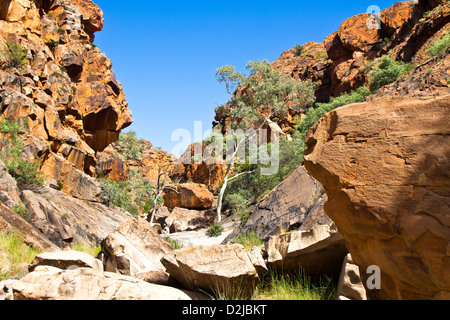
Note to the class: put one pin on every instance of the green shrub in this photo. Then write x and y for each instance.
(129, 146)
(14, 56)
(439, 45)
(298, 50)
(129, 195)
(314, 114)
(387, 71)
(24, 171)
(215, 230)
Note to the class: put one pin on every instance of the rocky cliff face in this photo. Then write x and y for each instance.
(385, 168)
(70, 106)
(343, 61)
(66, 94)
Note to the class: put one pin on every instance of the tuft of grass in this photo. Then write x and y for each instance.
(15, 256)
(175, 244)
(250, 240)
(92, 249)
(295, 287)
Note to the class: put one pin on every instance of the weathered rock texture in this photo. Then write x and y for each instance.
(350, 286)
(181, 220)
(66, 96)
(284, 208)
(189, 196)
(66, 260)
(316, 248)
(135, 249)
(385, 167)
(218, 269)
(91, 284)
(64, 220)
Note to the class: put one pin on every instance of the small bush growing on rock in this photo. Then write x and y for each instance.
(386, 72)
(13, 56)
(215, 230)
(298, 50)
(129, 146)
(24, 171)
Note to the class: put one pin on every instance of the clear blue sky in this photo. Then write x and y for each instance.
(165, 53)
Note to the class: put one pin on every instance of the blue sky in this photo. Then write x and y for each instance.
(165, 53)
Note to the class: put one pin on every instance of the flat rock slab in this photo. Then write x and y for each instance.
(65, 260)
(219, 269)
(91, 284)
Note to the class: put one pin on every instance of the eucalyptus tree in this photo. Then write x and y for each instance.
(262, 95)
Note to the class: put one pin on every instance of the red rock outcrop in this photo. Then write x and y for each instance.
(343, 61)
(385, 167)
(66, 95)
(188, 196)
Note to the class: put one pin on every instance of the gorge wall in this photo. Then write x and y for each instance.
(67, 97)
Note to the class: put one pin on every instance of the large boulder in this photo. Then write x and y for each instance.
(91, 284)
(284, 208)
(217, 269)
(317, 248)
(189, 196)
(135, 249)
(65, 220)
(181, 220)
(385, 167)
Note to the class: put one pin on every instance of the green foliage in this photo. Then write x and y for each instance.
(129, 146)
(215, 230)
(132, 195)
(24, 171)
(13, 56)
(92, 249)
(387, 71)
(295, 287)
(22, 211)
(439, 45)
(250, 240)
(298, 50)
(270, 93)
(314, 114)
(175, 245)
(237, 202)
(16, 256)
